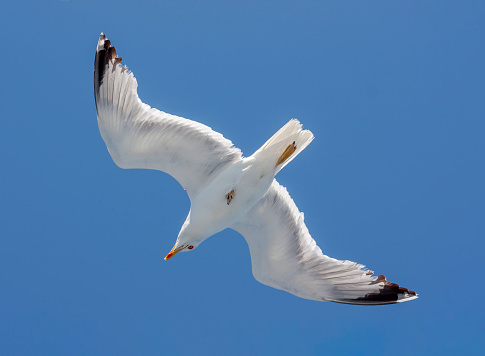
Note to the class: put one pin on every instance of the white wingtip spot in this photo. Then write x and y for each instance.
(102, 37)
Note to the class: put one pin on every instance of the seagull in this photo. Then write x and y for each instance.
(228, 190)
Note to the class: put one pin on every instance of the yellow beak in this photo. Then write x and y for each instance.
(173, 252)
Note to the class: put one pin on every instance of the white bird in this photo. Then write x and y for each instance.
(227, 190)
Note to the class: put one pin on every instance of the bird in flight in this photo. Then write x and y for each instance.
(227, 190)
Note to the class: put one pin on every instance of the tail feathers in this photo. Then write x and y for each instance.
(288, 135)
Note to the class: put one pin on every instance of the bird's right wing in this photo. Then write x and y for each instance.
(138, 136)
(285, 256)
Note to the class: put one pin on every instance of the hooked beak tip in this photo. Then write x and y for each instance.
(174, 251)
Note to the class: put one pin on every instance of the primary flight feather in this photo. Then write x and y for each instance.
(227, 190)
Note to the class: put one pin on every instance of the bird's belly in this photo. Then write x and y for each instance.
(211, 208)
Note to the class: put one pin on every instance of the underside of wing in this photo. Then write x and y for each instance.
(285, 256)
(138, 136)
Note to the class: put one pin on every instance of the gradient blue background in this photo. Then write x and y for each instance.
(394, 93)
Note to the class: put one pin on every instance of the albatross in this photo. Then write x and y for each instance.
(228, 190)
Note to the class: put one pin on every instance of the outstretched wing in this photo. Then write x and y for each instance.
(138, 136)
(284, 256)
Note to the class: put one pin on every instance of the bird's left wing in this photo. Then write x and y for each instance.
(285, 256)
(138, 136)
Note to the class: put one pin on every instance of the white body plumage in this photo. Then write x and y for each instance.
(210, 213)
(227, 190)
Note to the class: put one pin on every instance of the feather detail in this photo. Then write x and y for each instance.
(285, 256)
(138, 136)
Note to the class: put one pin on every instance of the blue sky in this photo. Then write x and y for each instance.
(393, 92)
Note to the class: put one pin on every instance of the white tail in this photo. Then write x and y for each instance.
(290, 133)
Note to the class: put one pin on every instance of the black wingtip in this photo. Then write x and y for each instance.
(390, 292)
(104, 53)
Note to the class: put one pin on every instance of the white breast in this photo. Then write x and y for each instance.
(210, 212)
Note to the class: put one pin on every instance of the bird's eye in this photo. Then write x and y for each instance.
(190, 247)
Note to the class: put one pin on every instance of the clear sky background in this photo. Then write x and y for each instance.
(392, 90)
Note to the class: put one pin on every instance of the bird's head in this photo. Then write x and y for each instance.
(181, 247)
(186, 241)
